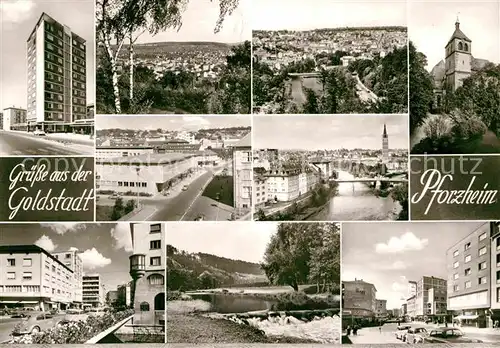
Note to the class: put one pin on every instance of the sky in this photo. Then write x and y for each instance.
(104, 248)
(187, 123)
(17, 20)
(389, 254)
(316, 14)
(198, 24)
(317, 132)
(244, 241)
(432, 23)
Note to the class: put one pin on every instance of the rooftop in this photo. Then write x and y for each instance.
(30, 248)
(246, 141)
(146, 159)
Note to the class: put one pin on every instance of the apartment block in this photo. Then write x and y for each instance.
(360, 298)
(381, 308)
(32, 277)
(495, 271)
(431, 297)
(93, 291)
(469, 278)
(242, 175)
(56, 71)
(147, 269)
(14, 119)
(71, 259)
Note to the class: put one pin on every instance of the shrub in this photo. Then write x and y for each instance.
(75, 332)
(290, 301)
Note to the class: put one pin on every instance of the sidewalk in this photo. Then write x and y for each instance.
(75, 142)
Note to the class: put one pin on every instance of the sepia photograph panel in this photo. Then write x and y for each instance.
(330, 168)
(173, 57)
(420, 282)
(329, 57)
(71, 283)
(455, 77)
(47, 78)
(253, 283)
(173, 168)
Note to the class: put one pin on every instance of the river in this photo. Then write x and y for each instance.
(356, 201)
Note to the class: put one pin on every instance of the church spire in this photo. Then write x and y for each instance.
(385, 132)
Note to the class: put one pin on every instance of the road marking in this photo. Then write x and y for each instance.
(147, 217)
(195, 198)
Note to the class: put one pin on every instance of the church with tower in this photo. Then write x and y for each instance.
(459, 64)
(385, 146)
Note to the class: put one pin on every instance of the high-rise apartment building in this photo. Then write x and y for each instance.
(242, 175)
(71, 259)
(93, 291)
(32, 277)
(147, 269)
(469, 277)
(56, 66)
(431, 297)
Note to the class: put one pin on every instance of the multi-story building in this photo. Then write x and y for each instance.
(495, 271)
(242, 175)
(124, 294)
(56, 67)
(325, 168)
(71, 259)
(106, 152)
(381, 308)
(430, 298)
(469, 277)
(32, 277)
(260, 189)
(403, 311)
(360, 298)
(411, 307)
(147, 269)
(283, 184)
(14, 119)
(93, 291)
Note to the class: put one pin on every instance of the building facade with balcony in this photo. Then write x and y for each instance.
(14, 119)
(242, 175)
(56, 71)
(147, 269)
(93, 291)
(72, 260)
(32, 277)
(469, 278)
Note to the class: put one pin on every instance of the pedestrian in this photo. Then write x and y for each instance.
(348, 330)
(355, 330)
(380, 329)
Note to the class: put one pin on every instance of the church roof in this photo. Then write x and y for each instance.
(458, 34)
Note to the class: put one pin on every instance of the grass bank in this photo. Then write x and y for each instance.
(220, 187)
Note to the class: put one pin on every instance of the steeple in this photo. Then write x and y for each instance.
(385, 132)
(457, 23)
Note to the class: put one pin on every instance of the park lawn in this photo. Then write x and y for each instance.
(103, 212)
(222, 185)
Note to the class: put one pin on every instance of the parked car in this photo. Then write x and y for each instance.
(400, 334)
(37, 322)
(97, 311)
(404, 327)
(200, 218)
(449, 335)
(114, 196)
(415, 335)
(74, 311)
(18, 314)
(39, 132)
(185, 188)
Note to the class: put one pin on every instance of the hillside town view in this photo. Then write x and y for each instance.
(163, 168)
(67, 283)
(171, 60)
(455, 78)
(359, 68)
(429, 282)
(261, 291)
(46, 79)
(329, 177)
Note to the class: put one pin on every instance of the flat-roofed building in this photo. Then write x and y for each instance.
(105, 152)
(71, 259)
(149, 173)
(93, 291)
(360, 298)
(14, 119)
(242, 175)
(32, 277)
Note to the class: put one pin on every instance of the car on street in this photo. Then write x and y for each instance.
(37, 322)
(185, 188)
(114, 196)
(400, 334)
(449, 335)
(39, 132)
(200, 218)
(415, 335)
(404, 327)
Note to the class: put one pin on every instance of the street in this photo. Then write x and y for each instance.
(17, 143)
(186, 205)
(372, 335)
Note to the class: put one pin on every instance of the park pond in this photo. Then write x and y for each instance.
(253, 309)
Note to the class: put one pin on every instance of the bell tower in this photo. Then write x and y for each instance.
(385, 146)
(458, 58)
